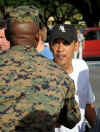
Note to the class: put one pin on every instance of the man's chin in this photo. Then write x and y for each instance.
(60, 62)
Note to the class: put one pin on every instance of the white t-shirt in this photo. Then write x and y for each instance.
(84, 94)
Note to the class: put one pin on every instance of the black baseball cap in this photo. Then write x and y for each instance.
(64, 31)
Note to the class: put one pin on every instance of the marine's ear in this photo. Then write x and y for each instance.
(35, 39)
(40, 45)
(43, 33)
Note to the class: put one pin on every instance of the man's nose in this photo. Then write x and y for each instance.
(60, 47)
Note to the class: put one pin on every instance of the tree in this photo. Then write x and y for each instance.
(59, 9)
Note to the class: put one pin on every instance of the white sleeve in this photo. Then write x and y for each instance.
(90, 94)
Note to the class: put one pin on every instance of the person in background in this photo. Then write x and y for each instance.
(43, 47)
(81, 39)
(33, 89)
(45, 50)
(4, 43)
(63, 43)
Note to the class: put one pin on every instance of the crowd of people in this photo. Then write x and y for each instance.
(42, 87)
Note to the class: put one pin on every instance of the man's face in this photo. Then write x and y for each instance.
(23, 33)
(63, 51)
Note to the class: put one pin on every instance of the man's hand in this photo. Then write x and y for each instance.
(90, 114)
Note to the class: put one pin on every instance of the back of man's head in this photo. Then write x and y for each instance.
(23, 15)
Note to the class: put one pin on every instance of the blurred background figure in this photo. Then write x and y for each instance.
(81, 39)
(4, 43)
(51, 22)
(67, 22)
(43, 46)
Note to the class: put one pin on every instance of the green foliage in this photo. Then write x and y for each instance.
(1, 2)
(57, 8)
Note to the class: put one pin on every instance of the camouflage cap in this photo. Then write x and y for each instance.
(24, 14)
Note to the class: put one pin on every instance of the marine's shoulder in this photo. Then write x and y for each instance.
(27, 60)
(17, 53)
(51, 66)
(11, 52)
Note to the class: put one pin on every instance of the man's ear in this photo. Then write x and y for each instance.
(40, 45)
(77, 45)
(43, 33)
(37, 38)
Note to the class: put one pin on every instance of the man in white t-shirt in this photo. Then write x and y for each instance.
(81, 39)
(63, 43)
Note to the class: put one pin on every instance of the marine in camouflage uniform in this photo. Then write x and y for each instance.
(33, 89)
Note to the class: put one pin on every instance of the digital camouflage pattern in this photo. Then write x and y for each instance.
(33, 90)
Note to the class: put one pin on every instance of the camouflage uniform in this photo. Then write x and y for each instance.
(33, 90)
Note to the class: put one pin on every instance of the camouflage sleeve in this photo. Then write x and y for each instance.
(70, 113)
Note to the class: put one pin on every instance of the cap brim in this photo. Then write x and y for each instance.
(59, 35)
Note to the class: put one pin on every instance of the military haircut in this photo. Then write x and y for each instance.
(24, 14)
